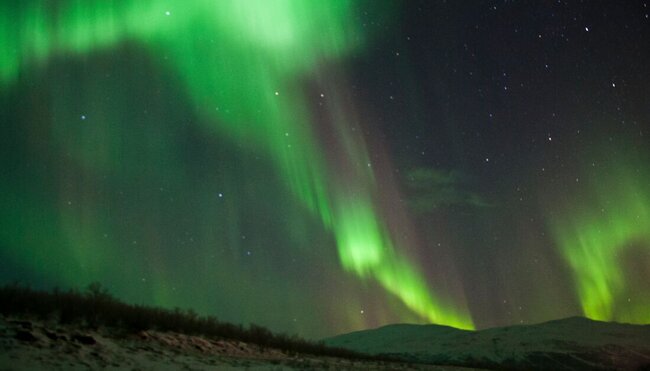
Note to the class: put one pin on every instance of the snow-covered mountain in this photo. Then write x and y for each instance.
(570, 344)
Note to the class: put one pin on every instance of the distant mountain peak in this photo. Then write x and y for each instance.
(576, 343)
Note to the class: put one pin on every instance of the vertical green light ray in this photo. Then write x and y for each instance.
(34, 224)
(366, 249)
(242, 63)
(612, 219)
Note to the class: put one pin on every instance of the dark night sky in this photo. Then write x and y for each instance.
(325, 167)
(514, 97)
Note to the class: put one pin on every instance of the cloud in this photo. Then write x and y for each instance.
(428, 189)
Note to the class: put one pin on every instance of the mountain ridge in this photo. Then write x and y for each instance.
(575, 343)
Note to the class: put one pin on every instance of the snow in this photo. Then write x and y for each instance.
(573, 343)
(29, 344)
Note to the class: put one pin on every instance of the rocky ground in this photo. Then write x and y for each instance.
(27, 344)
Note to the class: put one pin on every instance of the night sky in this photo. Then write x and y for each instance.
(319, 167)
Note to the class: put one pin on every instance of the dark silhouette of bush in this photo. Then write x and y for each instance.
(97, 307)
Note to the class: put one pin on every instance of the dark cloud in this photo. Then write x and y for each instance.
(428, 189)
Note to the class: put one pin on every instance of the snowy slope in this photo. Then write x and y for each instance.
(30, 344)
(570, 344)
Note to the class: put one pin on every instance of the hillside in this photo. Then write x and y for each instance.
(28, 344)
(79, 331)
(570, 344)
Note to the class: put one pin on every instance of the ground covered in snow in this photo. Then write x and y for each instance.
(28, 344)
(570, 344)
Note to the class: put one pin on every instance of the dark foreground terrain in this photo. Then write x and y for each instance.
(75, 330)
(27, 344)
(91, 330)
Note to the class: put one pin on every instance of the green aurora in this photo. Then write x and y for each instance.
(102, 172)
(241, 63)
(603, 232)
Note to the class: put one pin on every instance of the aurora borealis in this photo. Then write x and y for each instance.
(601, 236)
(321, 167)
